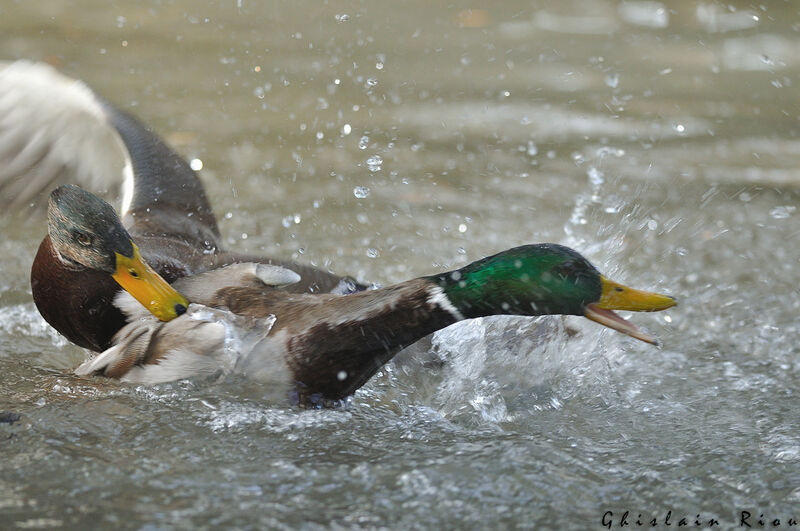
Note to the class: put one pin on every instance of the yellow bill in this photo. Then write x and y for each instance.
(147, 287)
(615, 296)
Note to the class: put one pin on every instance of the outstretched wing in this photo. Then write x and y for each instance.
(56, 130)
(53, 131)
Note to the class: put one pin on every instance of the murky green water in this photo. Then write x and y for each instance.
(660, 140)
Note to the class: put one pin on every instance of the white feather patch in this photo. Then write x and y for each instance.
(98, 362)
(132, 308)
(176, 365)
(127, 188)
(276, 276)
(437, 297)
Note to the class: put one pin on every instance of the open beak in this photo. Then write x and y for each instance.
(618, 297)
(147, 287)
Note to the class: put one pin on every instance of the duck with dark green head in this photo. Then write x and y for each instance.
(298, 326)
(325, 346)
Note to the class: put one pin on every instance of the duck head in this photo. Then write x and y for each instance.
(86, 231)
(547, 279)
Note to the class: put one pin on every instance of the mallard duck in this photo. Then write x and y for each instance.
(54, 129)
(153, 290)
(317, 346)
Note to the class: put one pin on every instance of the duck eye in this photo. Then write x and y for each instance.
(83, 239)
(133, 273)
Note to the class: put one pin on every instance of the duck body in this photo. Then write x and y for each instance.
(318, 347)
(307, 347)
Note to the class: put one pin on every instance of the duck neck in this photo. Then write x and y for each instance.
(474, 291)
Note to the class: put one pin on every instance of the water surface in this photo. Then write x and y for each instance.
(389, 140)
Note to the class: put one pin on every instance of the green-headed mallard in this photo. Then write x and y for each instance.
(308, 332)
(315, 345)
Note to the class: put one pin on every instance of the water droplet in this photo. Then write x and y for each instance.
(462, 228)
(782, 212)
(196, 164)
(667, 318)
(343, 17)
(532, 149)
(595, 176)
(371, 82)
(612, 80)
(341, 375)
(373, 253)
(374, 163)
(287, 221)
(244, 235)
(259, 92)
(652, 224)
(320, 135)
(363, 142)
(228, 215)
(346, 129)
(361, 192)
(379, 66)
(680, 128)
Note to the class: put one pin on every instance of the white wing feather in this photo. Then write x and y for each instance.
(55, 130)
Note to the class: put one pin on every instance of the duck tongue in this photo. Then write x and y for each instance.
(611, 319)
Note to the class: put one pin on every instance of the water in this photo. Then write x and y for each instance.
(660, 140)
